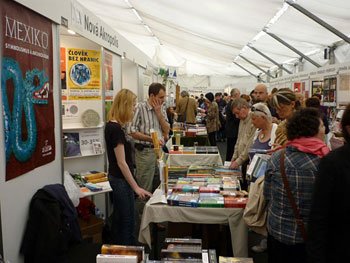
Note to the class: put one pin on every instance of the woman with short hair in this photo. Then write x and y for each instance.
(301, 157)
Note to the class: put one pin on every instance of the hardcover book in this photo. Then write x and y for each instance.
(138, 251)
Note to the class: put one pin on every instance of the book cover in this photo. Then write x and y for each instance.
(71, 144)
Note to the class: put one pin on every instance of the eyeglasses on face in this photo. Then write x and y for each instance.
(256, 109)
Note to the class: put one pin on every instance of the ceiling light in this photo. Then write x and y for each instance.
(71, 32)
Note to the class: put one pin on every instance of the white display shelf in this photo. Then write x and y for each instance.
(79, 126)
(82, 156)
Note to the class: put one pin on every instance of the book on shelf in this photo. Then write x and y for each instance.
(71, 144)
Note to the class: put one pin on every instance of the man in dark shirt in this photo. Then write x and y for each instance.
(232, 124)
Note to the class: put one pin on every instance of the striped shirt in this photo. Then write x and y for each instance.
(301, 169)
(145, 118)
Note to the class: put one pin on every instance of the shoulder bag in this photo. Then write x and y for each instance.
(291, 199)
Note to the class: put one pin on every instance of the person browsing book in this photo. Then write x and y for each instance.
(265, 135)
(263, 140)
(149, 114)
(289, 197)
(120, 169)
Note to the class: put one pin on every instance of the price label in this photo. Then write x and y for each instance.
(87, 140)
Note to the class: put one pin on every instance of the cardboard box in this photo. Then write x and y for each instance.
(92, 228)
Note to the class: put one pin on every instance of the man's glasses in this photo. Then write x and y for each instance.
(256, 109)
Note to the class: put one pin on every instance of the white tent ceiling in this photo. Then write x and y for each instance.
(204, 37)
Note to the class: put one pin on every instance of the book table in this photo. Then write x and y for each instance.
(157, 213)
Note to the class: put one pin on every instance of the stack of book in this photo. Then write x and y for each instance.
(182, 249)
(200, 171)
(257, 166)
(235, 260)
(183, 199)
(186, 250)
(207, 192)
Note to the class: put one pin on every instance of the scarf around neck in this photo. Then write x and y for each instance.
(310, 145)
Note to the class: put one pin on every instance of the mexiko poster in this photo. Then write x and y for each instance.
(26, 89)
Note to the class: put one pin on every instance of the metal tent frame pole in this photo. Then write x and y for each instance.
(270, 59)
(318, 20)
(258, 78)
(267, 73)
(292, 48)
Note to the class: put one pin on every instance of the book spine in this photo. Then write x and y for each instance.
(212, 256)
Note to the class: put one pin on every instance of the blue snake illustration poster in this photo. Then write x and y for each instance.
(26, 89)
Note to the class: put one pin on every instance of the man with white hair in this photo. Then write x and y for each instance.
(246, 131)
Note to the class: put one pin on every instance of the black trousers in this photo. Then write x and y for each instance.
(212, 138)
(279, 252)
(230, 147)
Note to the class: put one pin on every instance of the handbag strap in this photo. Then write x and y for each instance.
(291, 199)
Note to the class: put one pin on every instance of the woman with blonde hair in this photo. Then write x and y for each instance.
(284, 101)
(120, 169)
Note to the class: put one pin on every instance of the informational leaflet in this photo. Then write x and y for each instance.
(88, 139)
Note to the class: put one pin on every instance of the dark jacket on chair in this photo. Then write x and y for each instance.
(52, 226)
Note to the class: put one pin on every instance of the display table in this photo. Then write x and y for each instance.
(158, 213)
(194, 159)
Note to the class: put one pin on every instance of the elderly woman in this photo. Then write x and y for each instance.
(329, 218)
(299, 162)
(263, 140)
(284, 101)
(265, 134)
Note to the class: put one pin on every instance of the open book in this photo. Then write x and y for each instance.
(158, 197)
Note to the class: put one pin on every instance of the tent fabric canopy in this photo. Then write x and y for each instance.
(204, 37)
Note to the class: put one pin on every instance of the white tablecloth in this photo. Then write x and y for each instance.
(194, 159)
(163, 213)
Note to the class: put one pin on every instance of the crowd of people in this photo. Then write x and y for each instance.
(305, 185)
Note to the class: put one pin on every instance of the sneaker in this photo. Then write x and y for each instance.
(261, 247)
